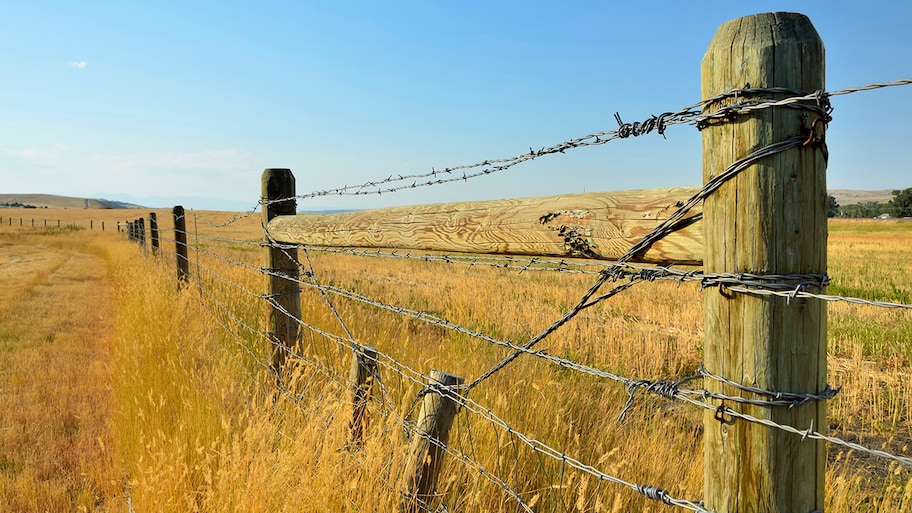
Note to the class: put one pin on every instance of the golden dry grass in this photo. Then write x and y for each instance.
(198, 425)
(55, 315)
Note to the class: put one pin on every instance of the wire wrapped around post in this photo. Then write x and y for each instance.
(770, 219)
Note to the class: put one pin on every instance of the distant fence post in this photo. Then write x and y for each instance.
(153, 231)
(432, 433)
(180, 245)
(91, 224)
(278, 190)
(118, 226)
(141, 224)
(769, 219)
(363, 370)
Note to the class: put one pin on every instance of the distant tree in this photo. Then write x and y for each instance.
(864, 210)
(832, 206)
(901, 204)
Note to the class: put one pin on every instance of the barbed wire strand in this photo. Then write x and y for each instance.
(692, 115)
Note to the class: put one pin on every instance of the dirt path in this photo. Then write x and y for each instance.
(55, 320)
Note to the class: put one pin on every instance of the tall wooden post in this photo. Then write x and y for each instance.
(153, 231)
(278, 188)
(363, 370)
(428, 442)
(180, 245)
(769, 219)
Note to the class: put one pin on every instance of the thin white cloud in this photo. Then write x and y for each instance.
(78, 64)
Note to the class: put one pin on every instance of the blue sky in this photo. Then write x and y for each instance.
(175, 100)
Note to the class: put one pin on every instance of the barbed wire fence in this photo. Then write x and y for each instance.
(493, 461)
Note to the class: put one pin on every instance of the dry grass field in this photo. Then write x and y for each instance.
(175, 411)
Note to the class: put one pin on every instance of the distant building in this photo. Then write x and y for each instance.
(883, 216)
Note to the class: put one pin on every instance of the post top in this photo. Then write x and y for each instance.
(765, 29)
(445, 378)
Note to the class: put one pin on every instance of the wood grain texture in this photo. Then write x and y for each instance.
(770, 219)
(596, 225)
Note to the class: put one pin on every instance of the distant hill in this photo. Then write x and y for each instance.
(52, 201)
(851, 197)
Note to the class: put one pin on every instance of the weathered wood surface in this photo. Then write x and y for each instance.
(431, 435)
(180, 245)
(770, 219)
(361, 379)
(284, 289)
(594, 225)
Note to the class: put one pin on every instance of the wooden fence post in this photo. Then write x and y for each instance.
(769, 219)
(432, 433)
(153, 231)
(363, 370)
(278, 189)
(141, 228)
(180, 245)
(91, 224)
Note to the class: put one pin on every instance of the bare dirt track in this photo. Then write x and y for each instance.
(55, 324)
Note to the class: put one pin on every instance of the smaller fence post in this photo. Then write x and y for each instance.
(102, 225)
(363, 370)
(432, 432)
(91, 224)
(33, 222)
(153, 231)
(141, 223)
(130, 231)
(58, 223)
(118, 226)
(180, 245)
